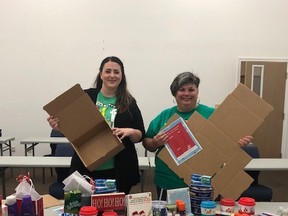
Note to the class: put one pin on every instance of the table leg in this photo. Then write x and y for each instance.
(10, 148)
(33, 153)
(26, 151)
(2, 173)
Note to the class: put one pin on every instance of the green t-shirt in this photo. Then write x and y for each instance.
(106, 106)
(164, 177)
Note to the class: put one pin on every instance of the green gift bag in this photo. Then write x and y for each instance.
(72, 201)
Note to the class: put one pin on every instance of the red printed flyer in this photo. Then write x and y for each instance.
(181, 142)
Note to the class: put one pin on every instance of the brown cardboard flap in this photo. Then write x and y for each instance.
(98, 129)
(234, 187)
(75, 119)
(252, 101)
(85, 127)
(226, 179)
(239, 108)
(235, 113)
(98, 149)
(240, 114)
(220, 140)
(63, 100)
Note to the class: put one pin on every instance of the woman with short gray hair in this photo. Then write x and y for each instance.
(185, 89)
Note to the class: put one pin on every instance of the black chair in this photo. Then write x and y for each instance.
(259, 192)
(54, 133)
(62, 150)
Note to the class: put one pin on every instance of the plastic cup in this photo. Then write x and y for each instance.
(159, 208)
(227, 205)
(208, 208)
(109, 213)
(246, 205)
(88, 211)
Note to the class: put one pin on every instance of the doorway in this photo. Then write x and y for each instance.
(267, 78)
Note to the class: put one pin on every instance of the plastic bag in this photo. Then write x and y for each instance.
(78, 182)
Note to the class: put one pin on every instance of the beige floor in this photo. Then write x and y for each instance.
(276, 180)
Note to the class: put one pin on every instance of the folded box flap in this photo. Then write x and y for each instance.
(63, 100)
(244, 108)
(235, 187)
(85, 127)
(98, 149)
(79, 117)
(252, 101)
(231, 178)
(102, 159)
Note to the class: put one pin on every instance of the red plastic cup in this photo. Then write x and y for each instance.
(227, 205)
(88, 211)
(246, 205)
(109, 213)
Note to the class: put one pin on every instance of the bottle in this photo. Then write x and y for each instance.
(177, 204)
(12, 205)
(27, 206)
(182, 208)
(88, 211)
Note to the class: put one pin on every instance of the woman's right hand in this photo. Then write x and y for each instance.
(152, 144)
(53, 122)
(160, 139)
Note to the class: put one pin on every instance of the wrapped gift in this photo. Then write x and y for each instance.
(76, 185)
(26, 187)
(105, 186)
(72, 201)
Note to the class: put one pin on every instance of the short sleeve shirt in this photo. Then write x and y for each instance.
(107, 108)
(164, 177)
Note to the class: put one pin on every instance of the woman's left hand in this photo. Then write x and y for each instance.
(244, 141)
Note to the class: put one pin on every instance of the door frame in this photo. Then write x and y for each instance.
(284, 146)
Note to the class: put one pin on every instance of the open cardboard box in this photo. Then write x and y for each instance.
(84, 126)
(240, 114)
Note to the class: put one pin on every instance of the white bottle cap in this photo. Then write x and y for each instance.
(10, 200)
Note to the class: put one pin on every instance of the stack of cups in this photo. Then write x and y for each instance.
(200, 190)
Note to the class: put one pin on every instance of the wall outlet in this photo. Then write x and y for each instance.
(13, 149)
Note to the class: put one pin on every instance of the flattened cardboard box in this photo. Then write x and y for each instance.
(85, 127)
(240, 114)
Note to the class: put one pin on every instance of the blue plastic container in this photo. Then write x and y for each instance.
(208, 208)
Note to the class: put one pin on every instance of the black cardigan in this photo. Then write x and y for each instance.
(126, 161)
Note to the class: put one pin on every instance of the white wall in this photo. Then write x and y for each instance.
(47, 46)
